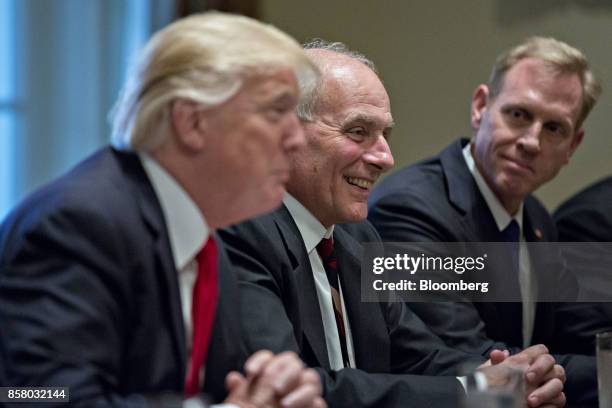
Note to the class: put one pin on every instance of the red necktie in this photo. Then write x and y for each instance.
(203, 307)
(328, 256)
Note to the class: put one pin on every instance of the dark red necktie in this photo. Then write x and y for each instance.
(203, 306)
(328, 256)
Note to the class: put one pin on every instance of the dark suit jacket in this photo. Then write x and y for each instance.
(281, 312)
(438, 200)
(89, 295)
(587, 216)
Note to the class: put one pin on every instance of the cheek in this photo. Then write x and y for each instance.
(551, 166)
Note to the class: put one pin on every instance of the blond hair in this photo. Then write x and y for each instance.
(204, 58)
(560, 57)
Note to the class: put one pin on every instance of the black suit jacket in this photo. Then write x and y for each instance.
(89, 295)
(587, 216)
(281, 312)
(438, 200)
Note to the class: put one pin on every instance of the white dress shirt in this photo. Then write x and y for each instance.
(502, 219)
(312, 232)
(187, 233)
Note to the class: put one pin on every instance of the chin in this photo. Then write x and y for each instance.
(271, 202)
(355, 215)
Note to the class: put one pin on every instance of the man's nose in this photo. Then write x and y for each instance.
(294, 137)
(379, 154)
(530, 140)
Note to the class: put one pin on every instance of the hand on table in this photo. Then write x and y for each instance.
(275, 381)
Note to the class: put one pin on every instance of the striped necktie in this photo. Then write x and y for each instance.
(328, 256)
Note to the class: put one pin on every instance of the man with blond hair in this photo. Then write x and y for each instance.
(527, 122)
(112, 281)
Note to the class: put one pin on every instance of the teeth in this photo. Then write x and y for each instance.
(359, 182)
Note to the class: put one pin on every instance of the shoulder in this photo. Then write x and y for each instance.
(92, 203)
(255, 231)
(587, 216)
(422, 178)
(259, 240)
(358, 233)
(596, 197)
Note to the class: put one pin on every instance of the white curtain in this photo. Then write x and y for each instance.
(66, 62)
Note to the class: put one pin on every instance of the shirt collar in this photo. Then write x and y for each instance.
(311, 230)
(501, 216)
(186, 225)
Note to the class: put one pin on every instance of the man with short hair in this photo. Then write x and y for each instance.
(299, 266)
(527, 123)
(112, 282)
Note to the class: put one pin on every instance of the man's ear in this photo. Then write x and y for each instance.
(479, 104)
(575, 143)
(185, 119)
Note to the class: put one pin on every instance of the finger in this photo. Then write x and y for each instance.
(284, 372)
(531, 353)
(497, 356)
(233, 381)
(541, 367)
(319, 403)
(257, 362)
(546, 393)
(310, 376)
(559, 401)
(557, 372)
(302, 397)
(236, 386)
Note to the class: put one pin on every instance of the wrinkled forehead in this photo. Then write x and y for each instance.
(534, 80)
(537, 74)
(354, 90)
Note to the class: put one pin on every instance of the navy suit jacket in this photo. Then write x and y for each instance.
(281, 312)
(438, 200)
(587, 216)
(89, 295)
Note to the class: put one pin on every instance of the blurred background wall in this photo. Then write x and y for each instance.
(62, 63)
(433, 53)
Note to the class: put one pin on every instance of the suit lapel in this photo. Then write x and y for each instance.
(367, 323)
(310, 312)
(165, 271)
(480, 226)
(544, 271)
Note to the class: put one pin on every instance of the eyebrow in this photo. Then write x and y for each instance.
(559, 119)
(367, 120)
(285, 97)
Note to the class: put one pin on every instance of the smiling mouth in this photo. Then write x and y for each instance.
(519, 164)
(359, 182)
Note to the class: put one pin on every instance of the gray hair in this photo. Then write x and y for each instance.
(309, 99)
(204, 58)
(560, 57)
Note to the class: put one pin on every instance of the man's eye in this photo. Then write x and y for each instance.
(357, 133)
(276, 113)
(555, 128)
(517, 113)
(518, 116)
